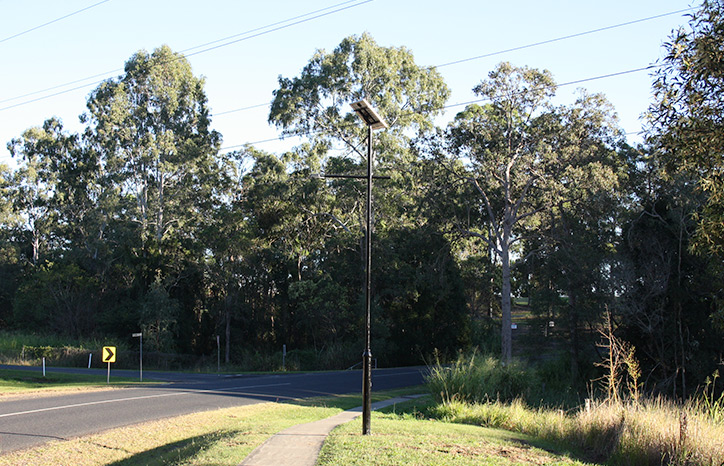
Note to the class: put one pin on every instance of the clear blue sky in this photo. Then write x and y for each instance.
(243, 74)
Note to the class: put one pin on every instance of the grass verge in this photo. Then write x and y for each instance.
(403, 437)
(218, 438)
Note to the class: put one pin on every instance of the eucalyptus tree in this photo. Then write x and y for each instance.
(523, 158)
(686, 118)
(578, 235)
(165, 178)
(34, 187)
(57, 193)
(76, 195)
(316, 107)
(686, 135)
(10, 267)
(125, 204)
(151, 126)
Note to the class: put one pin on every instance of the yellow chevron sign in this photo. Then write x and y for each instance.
(109, 354)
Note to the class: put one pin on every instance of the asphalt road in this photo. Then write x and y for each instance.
(30, 422)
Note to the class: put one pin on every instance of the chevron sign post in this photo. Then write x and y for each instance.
(109, 356)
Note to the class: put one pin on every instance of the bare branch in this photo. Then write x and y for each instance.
(488, 206)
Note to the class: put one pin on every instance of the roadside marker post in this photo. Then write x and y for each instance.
(109, 356)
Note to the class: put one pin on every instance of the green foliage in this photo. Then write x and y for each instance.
(529, 168)
(337, 356)
(667, 293)
(419, 289)
(485, 335)
(319, 309)
(707, 401)
(475, 378)
(159, 319)
(57, 297)
(317, 101)
(686, 117)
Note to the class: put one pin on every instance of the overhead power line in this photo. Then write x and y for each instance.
(274, 29)
(570, 36)
(53, 21)
(256, 32)
(558, 39)
(278, 23)
(514, 49)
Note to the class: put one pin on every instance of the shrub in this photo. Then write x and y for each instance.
(476, 379)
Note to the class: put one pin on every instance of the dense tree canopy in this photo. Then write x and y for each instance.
(686, 135)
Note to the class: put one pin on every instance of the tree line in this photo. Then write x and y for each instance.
(141, 222)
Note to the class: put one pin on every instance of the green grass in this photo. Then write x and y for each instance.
(406, 438)
(18, 382)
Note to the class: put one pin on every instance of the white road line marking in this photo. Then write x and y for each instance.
(145, 397)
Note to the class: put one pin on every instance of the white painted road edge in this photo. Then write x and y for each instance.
(134, 398)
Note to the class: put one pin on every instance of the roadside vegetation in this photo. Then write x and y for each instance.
(625, 428)
(29, 349)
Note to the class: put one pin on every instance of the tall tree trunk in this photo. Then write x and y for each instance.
(491, 282)
(575, 341)
(227, 335)
(506, 333)
(159, 214)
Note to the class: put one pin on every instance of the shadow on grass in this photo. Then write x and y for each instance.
(176, 452)
(184, 450)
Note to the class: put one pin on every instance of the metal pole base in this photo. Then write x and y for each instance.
(366, 392)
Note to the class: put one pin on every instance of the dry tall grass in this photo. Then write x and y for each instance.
(650, 432)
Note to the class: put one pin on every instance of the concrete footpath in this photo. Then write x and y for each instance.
(300, 445)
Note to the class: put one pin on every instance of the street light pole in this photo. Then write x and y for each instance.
(367, 355)
(373, 121)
